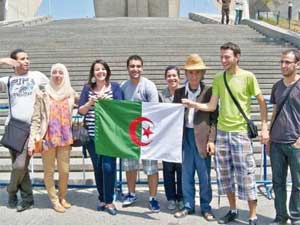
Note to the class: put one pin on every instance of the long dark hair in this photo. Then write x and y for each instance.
(91, 75)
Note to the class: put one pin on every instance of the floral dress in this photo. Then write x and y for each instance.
(59, 133)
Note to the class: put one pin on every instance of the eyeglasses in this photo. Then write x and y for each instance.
(286, 62)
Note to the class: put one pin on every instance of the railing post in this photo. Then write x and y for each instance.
(290, 6)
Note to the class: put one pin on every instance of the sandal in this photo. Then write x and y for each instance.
(208, 216)
(183, 213)
(111, 210)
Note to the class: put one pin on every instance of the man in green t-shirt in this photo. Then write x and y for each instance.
(234, 153)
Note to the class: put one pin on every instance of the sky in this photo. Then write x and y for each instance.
(68, 9)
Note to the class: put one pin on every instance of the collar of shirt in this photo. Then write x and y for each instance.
(192, 95)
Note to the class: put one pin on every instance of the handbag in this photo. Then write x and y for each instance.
(80, 133)
(16, 132)
(252, 128)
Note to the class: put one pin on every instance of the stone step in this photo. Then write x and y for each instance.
(209, 48)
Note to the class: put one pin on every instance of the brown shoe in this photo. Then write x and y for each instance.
(208, 216)
(65, 204)
(59, 208)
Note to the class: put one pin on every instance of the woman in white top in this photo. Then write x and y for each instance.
(239, 4)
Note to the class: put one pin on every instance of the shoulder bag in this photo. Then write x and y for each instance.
(252, 128)
(16, 132)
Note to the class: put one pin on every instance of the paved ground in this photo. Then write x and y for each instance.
(84, 203)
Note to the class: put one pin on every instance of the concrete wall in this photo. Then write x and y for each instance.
(274, 32)
(136, 8)
(174, 7)
(2, 10)
(22, 9)
(110, 8)
(18, 9)
(158, 8)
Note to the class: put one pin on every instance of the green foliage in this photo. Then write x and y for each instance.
(283, 23)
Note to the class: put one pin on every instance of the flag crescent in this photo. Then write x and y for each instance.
(132, 130)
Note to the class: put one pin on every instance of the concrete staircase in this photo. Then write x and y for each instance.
(160, 41)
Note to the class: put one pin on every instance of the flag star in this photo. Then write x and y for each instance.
(147, 131)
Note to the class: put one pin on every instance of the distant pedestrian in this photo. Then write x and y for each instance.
(225, 10)
(239, 4)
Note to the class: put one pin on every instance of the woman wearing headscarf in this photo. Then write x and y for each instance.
(99, 86)
(51, 124)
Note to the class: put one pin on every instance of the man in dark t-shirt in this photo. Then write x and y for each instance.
(285, 138)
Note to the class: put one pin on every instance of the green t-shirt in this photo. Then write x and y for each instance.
(243, 85)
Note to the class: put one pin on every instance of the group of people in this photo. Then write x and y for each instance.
(213, 125)
(225, 11)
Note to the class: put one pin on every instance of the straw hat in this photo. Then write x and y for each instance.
(194, 62)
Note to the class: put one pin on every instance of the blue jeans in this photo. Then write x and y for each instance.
(169, 171)
(284, 156)
(193, 162)
(105, 173)
(238, 16)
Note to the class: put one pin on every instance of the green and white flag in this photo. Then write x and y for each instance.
(142, 130)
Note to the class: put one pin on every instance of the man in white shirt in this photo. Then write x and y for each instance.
(22, 89)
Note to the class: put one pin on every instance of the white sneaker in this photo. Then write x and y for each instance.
(129, 200)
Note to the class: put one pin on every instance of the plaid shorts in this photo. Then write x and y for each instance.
(150, 167)
(234, 157)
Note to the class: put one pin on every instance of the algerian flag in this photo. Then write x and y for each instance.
(136, 130)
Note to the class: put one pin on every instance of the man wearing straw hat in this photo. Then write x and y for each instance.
(198, 139)
(234, 153)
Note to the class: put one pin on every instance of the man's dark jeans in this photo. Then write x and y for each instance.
(282, 157)
(19, 177)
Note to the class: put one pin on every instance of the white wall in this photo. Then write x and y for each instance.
(19, 9)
